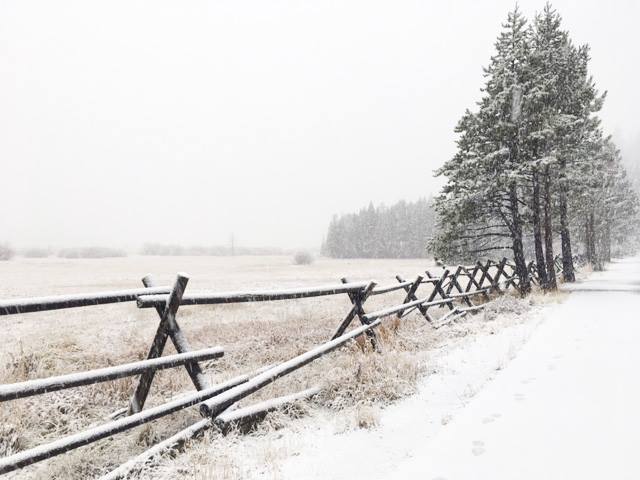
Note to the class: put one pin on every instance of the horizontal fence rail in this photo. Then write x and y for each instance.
(452, 289)
(61, 382)
(27, 305)
(147, 301)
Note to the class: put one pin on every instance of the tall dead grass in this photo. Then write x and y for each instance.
(356, 381)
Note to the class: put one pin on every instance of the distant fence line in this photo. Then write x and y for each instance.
(216, 401)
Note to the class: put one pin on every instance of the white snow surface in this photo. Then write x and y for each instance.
(552, 398)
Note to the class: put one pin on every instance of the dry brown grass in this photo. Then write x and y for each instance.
(356, 382)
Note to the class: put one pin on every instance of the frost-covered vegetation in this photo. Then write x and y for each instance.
(6, 252)
(398, 231)
(356, 381)
(303, 258)
(533, 160)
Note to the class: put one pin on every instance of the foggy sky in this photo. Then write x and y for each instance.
(125, 122)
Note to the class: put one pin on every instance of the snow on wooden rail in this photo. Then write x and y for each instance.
(213, 298)
(45, 385)
(242, 416)
(216, 399)
(71, 442)
(39, 304)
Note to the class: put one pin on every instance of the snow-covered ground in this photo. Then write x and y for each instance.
(552, 398)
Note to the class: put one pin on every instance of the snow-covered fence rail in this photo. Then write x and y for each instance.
(462, 284)
(52, 384)
(40, 304)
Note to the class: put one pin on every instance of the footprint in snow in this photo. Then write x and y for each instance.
(477, 451)
(519, 397)
(478, 447)
(491, 418)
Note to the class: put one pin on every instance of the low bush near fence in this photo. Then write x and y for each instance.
(6, 252)
(303, 258)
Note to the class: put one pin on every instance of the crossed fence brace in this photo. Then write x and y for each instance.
(441, 294)
(445, 290)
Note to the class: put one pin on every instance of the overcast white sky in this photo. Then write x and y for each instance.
(123, 122)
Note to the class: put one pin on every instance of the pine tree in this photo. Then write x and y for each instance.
(482, 198)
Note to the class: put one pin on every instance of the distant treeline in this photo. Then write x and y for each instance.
(86, 252)
(399, 231)
(7, 253)
(220, 251)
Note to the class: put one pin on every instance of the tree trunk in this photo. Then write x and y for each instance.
(548, 233)
(516, 236)
(595, 254)
(596, 251)
(568, 272)
(587, 241)
(607, 243)
(537, 233)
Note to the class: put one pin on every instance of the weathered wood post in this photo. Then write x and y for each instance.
(357, 299)
(453, 283)
(437, 288)
(474, 282)
(168, 327)
(354, 310)
(411, 296)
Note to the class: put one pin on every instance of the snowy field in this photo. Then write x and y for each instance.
(478, 399)
(253, 335)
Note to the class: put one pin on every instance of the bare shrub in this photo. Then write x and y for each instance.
(6, 252)
(302, 258)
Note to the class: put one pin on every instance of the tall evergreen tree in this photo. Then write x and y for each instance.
(483, 195)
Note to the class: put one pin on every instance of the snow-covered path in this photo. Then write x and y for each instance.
(565, 408)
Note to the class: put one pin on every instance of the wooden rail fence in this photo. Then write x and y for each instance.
(217, 402)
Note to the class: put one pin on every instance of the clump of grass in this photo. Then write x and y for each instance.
(6, 252)
(509, 304)
(303, 258)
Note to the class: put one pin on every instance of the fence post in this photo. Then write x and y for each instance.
(485, 272)
(499, 273)
(454, 283)
(354, 310)
(411, 296)
(473, 281)
(357, 299)
(512, 279)
(437, 288)
(168, 327)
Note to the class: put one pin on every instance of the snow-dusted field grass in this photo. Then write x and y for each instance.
(356, 383)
